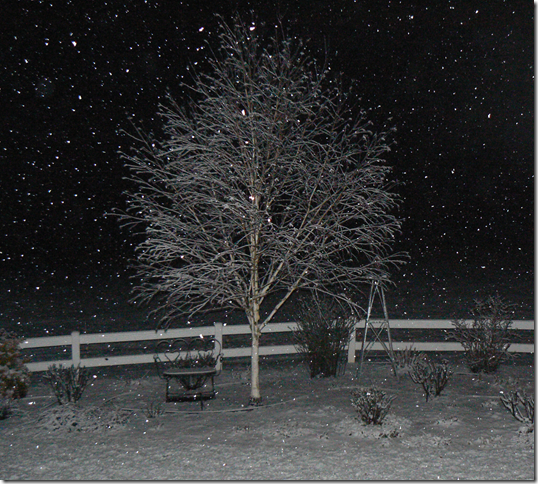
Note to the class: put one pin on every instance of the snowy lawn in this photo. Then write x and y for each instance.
(307, 429)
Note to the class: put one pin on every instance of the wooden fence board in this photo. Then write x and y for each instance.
(219, 330)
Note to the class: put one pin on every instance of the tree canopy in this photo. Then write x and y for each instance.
(267, 182)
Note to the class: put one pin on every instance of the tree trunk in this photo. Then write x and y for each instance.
(255, 395)
(253, 315)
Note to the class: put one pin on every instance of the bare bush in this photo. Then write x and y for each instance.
(154, 410)
(407, 358)
(73, 418)
(372, 405)
(324, 329)
(520, 405)
(68, 384)
(487, 337)
(432, 376)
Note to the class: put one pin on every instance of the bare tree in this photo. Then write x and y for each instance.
(265, 184)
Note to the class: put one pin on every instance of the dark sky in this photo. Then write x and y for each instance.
(455, 76)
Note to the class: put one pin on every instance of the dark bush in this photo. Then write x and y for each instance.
(324, 330)
(520, 405)
(154, 410)
(372, 405)
(5, 407)
(200, 360)
(407, 358)
(432, 376)
(487, 337)
(14, 376)
(68, 384)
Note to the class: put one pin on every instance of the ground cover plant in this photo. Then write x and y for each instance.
(81, 418)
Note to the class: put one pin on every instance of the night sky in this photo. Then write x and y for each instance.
(456, 77)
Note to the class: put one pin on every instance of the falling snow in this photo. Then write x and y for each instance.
(454, 78)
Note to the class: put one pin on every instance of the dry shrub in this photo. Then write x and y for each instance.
(407, 358)
(324, 330)
(520, 405)
(487, 337)
(432, 376)
(68, 384)
(73, 418)
(372, 405)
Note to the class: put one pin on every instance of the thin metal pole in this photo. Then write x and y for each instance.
(376, 288)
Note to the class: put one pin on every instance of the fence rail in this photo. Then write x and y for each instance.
(75, 340)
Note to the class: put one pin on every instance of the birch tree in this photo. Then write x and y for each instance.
(265, 183)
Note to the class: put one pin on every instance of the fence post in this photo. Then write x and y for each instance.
(352, 345)
(219, 338)
(75, 348)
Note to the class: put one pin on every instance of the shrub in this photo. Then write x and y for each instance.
(323, 332)
(154, 410)
(520, 405)
(14, 376)
(371, 404)
(73, 418)
(5, 407)
(199, 360)
(432, 376)
(68, 384)
(407, 358)
(487, 337)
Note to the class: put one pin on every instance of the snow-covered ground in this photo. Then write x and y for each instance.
(307, 429)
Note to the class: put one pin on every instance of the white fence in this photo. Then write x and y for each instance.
(219, 330)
